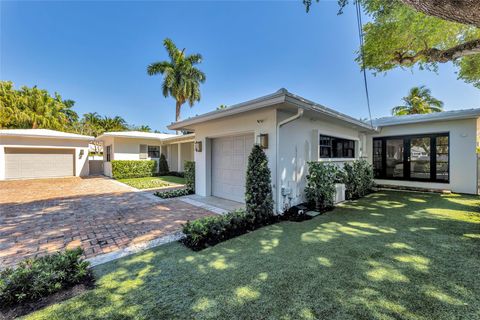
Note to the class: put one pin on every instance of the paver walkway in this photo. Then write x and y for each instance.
(101, 216)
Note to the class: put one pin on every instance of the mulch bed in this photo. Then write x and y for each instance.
(28, 307)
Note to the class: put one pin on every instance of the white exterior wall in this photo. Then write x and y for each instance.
(463, 158)
(81, 162)
(256, 122)
(299, 144)
(186, 154)
(129, 149)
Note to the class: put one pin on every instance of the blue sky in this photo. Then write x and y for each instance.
(96, 53)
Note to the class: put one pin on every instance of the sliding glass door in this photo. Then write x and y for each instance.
(414, 157)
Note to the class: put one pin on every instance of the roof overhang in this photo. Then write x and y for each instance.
(431, 117)
(280, 97)
(46, 136)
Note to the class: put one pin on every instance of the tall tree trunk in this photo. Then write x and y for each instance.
(178, 107)
(461, 11)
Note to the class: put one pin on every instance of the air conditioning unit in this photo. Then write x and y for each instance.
(340, 193)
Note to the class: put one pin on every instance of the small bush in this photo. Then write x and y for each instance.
(40, 277)
(258, 194)
(163, 169)
(173, 193)
(358, 179)
(190, 175)
(320, 189)
(209, 231)
(122, 169)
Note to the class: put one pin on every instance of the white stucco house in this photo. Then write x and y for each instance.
(42, 153)
(137, 145)
(434, 151)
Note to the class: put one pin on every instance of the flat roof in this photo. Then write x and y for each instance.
(43, 133)
(281, 96)
(137, 134)
(429, 117)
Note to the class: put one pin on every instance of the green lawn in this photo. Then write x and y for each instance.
(153, 182)
(392, 255)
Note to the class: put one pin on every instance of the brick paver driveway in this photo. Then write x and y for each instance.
(41, 216)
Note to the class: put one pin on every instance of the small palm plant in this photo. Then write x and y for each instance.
(418, 101)
(181, 79)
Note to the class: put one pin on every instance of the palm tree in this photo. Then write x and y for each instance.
(181, 79)
(418, 101)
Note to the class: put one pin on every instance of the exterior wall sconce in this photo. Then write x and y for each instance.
(80, 155)
(262, 140)
(198, 146)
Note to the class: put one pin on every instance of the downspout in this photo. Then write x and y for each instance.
(277, 144)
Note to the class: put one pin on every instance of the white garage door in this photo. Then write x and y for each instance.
(229, 165)
(26, 163)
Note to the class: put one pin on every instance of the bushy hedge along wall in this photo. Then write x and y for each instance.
(189, 172)
(122, 169)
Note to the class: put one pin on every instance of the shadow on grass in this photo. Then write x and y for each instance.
(388, 256)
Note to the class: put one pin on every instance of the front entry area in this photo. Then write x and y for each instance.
(29, 163)
(229, 166)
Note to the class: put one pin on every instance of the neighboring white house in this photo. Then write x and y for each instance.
(137, 145)
(42, 153)
(297, 130)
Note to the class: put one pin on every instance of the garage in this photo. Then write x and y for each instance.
(28, 163)
(42, 153)
(229, 166)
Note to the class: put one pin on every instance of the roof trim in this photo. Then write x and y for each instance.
(180, 137)
(280, 96)
(125, 135)
(47, 136)
(264, 101)
(431, 117)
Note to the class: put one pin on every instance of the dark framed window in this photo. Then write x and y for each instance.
(153, 151)
(332, 147)
(423, 157)
(109, 153)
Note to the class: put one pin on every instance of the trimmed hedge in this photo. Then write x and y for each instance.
(122, 169)
(358, 179)
(36, 278)
(320, 189)
(189, 172)
(173, 193)
(209, 231)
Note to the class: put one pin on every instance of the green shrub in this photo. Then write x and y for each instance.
(176, 174)
(358, 179)
(189, 171)
(208, 231)
(320, 189)
(258, 194)
(122, 169)
(35, 278)
(173, 193)
(163, 169)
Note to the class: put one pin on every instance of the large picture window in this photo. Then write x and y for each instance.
(332, 147)
(414, 157)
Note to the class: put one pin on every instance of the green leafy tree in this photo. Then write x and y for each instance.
(418, 101)
(258, 193)
(320, 189)
(409, 33)
(181, 79)
(34, 108)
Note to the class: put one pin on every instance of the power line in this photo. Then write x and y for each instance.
(362, 55)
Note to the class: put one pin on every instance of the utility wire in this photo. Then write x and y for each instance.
(362, 55)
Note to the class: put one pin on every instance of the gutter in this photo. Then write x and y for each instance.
(277, 143)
